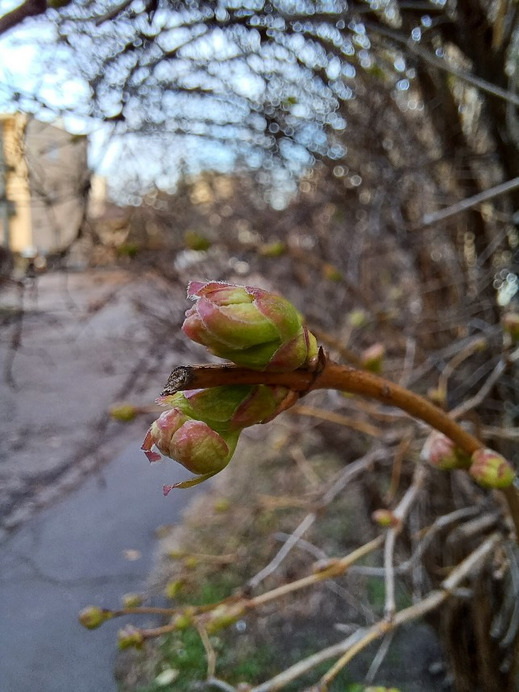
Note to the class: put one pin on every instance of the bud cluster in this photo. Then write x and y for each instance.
(253, 328)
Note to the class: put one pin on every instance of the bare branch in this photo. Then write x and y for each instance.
(30, 8)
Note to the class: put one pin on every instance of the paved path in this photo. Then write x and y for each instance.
(80, 345)
(74, 508)
(76, 553)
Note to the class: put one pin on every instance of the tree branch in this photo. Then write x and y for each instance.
(30, 8)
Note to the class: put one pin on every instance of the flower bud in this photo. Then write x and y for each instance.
(130, 636)
(228, 408)
(385, 518)
(441, 452)
(92, 617)
(192, 443)
(372, 358)
(249, 326)
(491, 470)
(124, 412)
(132, 600)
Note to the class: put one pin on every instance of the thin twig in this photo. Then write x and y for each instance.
(209, 651)
(470, 202)
(399, 513)
(429, 603)
(339, 418)
(283, 552)
(457, 360)
(354, 469)
(481, 395)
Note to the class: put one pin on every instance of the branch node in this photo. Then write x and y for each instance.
(179, 379)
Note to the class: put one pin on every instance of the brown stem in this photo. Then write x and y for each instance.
(330, 375)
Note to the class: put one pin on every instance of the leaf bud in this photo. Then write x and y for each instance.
(92, 617)
(372, 358)
(441, 452)
(132, 600)
(385, 518)
(192, 443)
(491, 470)
(130, 636)
(123, 412)
(249, 326)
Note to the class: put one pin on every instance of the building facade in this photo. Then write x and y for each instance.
(44, 184)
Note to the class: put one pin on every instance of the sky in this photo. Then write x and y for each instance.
(32, 65)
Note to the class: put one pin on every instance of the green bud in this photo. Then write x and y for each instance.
(196, 241)
(130, 636)
(124, 412)
(192, 443)
(132, 600)
(173, 588)
(385, 518)
(372, 358)
(491, 470)
(441, 452)
(249, 326)
(92, 617)
(229, 408)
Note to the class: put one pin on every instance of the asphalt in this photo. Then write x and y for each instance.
(90, 548)
(79, 502)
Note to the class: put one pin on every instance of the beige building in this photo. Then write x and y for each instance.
(44, 183)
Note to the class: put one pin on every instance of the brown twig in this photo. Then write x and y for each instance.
(330, 375)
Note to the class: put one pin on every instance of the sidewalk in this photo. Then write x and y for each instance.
(89, 549)
(79, 502)
(82, 346)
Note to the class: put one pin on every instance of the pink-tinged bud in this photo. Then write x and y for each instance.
(192, 443)
(441, 452)
(130, 636)
(385, 518)
(372, 358)
(92, 617)
(510, 322)
(249, 326)
(232, 407)
(491, 470)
